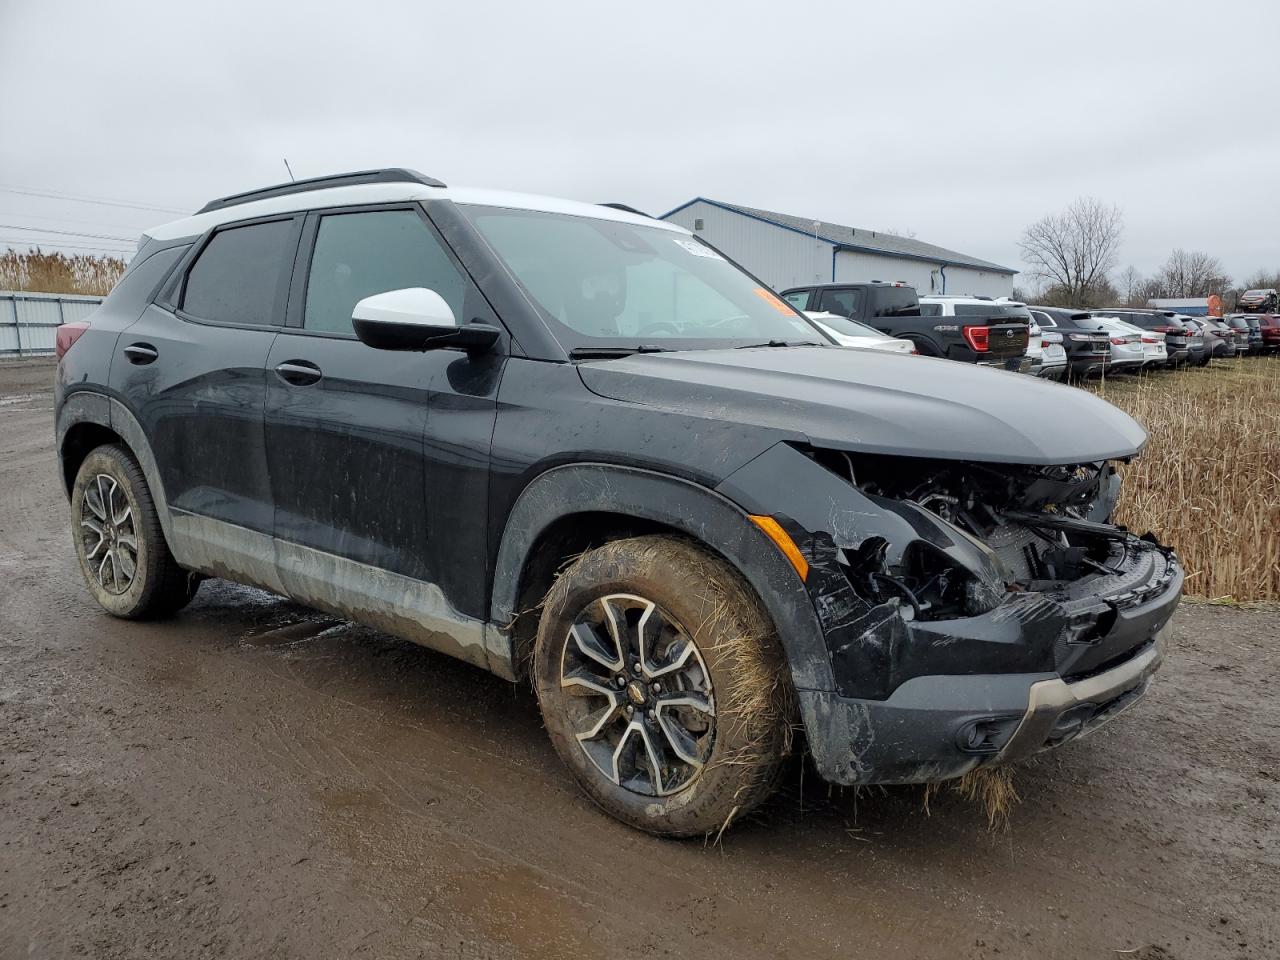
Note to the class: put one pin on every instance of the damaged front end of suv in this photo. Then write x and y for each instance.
(972, 612)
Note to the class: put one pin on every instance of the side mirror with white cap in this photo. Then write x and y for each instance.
(416, 318)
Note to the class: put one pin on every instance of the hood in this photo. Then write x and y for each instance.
(876, 403)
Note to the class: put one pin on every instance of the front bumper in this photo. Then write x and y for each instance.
(937, 728)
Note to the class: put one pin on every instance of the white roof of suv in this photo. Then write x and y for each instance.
(370, 193)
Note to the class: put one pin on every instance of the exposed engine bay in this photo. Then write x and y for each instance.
(1040, 529)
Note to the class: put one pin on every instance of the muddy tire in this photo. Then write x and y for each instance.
(119, 542)
(663, 686)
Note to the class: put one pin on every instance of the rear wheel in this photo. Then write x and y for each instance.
(119, 542)
(662, 685)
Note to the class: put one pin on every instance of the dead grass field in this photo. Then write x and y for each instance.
(1208, 482)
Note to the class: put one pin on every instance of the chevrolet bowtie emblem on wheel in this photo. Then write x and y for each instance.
(636, 693)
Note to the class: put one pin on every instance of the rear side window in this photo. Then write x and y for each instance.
(359, 254)
(896, 302)
(1044, 319)
(241, 275)
(842, 302)
(930, 309)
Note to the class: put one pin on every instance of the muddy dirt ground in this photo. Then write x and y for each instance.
(253, 779)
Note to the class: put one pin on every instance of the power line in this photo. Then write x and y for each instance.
(58, 195)
(67, 233)
(59, 245)
(81, 220)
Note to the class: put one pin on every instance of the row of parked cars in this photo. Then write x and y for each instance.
(1053, 342)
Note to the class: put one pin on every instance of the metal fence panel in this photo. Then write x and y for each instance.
(29, 321)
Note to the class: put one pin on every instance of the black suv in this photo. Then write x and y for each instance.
(986, 332)
(579, 448)
(1088, 349)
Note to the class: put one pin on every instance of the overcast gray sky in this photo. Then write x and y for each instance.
(961, 122)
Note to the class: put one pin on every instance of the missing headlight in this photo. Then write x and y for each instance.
(926, 580)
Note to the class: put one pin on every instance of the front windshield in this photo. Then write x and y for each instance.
(603, 283)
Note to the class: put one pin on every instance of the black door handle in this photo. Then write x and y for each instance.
(300, 373)
(141, 353)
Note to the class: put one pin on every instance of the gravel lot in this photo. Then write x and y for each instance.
(255, 779)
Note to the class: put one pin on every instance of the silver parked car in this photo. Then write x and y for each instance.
(1127, 353)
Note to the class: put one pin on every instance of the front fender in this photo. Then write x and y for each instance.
(700, 513)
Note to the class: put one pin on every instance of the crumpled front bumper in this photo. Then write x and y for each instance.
(938, 727)
(887, 696)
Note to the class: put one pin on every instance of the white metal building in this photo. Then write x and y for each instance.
(786, 251)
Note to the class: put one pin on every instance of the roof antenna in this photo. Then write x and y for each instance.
(292, 178)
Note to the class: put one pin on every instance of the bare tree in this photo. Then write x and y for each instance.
(1074, 251)
(1192, 274)
(1131, 287)
(1263, 280)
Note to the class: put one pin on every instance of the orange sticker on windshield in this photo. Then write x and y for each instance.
(771, 298)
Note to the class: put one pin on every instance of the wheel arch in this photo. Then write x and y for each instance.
(572, 508)
(88, 419)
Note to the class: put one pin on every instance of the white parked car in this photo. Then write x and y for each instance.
(1050, 360)
(851, 333)
(1128, 352)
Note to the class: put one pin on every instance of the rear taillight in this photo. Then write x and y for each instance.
(1043, 344)
(978, 338)
(66, 336)
(1118, 341)
(1150, 340)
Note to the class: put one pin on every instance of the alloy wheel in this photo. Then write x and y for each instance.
(108, 535)
(640, 702)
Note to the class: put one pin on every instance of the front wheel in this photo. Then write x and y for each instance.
(119, 542)
(662, 685)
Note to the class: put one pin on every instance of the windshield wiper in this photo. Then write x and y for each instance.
(612, 353)
(782, 343)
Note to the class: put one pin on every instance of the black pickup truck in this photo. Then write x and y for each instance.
(894, 308)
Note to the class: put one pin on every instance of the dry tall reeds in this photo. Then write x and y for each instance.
(1208, 482)
(39, 272)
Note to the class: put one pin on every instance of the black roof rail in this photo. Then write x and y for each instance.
(626, 209)
(387, 175)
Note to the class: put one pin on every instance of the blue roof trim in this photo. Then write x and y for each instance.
(837, 245)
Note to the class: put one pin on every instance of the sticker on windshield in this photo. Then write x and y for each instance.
(771, 298)
(697, 249)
